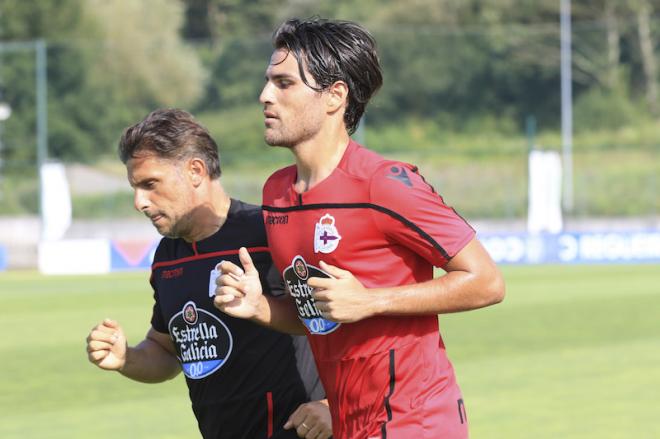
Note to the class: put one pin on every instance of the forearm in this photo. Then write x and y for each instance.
(279, 313)
(453, 292)
(149, 362)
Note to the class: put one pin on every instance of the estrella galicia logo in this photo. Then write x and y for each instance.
(203, 342)
(400, 174)
(295, 276)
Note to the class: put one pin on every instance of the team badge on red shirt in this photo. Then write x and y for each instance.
(326, 236)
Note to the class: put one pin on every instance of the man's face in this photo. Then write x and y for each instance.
(293, 111)
(162, 192)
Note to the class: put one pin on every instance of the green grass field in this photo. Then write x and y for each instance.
(573, 352)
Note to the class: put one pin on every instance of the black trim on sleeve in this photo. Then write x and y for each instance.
(376, 207)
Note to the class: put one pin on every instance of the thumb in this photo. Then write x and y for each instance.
(335, 272)
(246, 261)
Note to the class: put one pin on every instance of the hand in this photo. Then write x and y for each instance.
(341, 298)
(239, 292)
(311, 420)
(106, 345)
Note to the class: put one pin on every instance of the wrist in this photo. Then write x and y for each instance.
(262, 312)
(123, 362)
(380, 304)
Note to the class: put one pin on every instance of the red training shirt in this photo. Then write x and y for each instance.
(381, 221)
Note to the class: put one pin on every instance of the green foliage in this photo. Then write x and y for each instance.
(606, 109)
(144, 59)
(19, 193)
(67, 73)
(461, 77)
(102, 206)
(109, 63)
(236, 74)
(623, 177)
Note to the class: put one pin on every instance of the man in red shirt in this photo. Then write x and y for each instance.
(356, 237)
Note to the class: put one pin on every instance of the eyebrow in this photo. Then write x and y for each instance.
(279, 76)
(142, 182)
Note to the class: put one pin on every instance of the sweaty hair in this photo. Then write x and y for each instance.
(170, 134)
(332, 51)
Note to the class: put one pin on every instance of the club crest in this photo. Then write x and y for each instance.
(326, 236)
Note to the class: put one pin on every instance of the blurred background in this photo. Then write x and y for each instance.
(471, 87)
(537, 120)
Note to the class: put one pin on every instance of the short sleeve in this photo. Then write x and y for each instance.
(272, 282)
(157, 321)
(409, 212)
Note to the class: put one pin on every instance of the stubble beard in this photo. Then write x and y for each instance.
(167, 232)
(276, 139)
(170, 228)
(287, 139)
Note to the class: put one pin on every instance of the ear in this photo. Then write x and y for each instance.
(337, 96)
(197, 171)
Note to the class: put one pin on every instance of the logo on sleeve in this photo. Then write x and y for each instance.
(203, 342)
(295, 277)
(326, 236)
(399, 173)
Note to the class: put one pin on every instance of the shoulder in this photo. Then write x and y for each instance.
(361, 162)
(281, 177)
(166, 250)
(245, 211)
(245, 224)
(393, 178)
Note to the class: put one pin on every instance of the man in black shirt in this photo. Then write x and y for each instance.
(244, 380)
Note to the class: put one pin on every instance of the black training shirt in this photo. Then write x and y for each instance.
(242, 378)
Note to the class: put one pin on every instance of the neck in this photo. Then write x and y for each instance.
(210, 214)
(316, 160)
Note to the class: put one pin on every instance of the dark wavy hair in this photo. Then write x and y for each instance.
(334, 50)
(170, 134)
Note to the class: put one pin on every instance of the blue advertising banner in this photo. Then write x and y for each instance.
(132, 255)
(3, 258)
(574, 247)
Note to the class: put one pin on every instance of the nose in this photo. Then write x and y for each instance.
(266, 93)
(140, 200)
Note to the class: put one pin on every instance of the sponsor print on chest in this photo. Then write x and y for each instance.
(295, 277)
(202, 340)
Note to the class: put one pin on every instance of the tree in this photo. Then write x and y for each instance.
(143, 53)
(109, 63)
(22, 22)
(647, 49)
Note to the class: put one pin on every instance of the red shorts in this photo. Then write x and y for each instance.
(409, 394)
